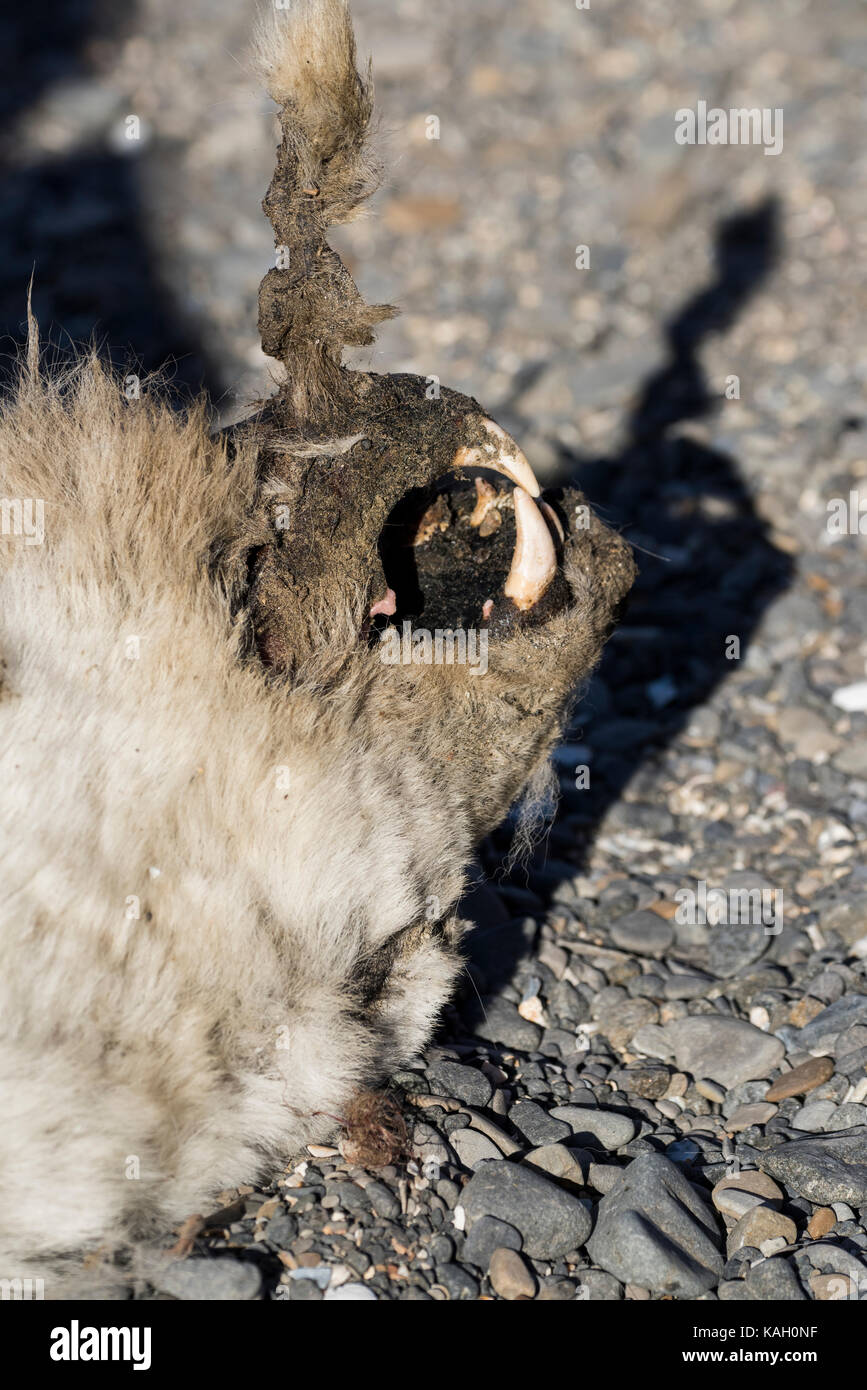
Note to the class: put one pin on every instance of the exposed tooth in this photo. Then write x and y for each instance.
(502, 455)
(534, 563)
(486, 497)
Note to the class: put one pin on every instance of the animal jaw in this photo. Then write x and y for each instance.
(235, 838)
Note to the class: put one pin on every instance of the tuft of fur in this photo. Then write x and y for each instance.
(309, 305)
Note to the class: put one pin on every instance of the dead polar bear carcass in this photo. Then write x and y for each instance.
(225, 817)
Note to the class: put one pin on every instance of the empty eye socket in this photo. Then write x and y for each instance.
(441, 567)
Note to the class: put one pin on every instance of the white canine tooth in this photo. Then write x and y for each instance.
(486, 498)
(534, 563)
(502, 455)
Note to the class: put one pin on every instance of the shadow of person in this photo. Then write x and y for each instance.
(708, 571)
(74, 219)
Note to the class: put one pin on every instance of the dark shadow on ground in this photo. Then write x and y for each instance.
(707, 566)
(75, 220)
(708, 570)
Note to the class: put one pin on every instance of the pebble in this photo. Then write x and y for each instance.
(644, 932)
(726, 1050)
(350, 1293)
(536, 1124)
(745, 1116)
(642, 1080)
(833, 1287)
(828, 1168)
(843, 1211)
(603, 1176)
(551, 1220)
(821, 1222)
(821, 1033)
(735, 1202)
(760, 1225)
(754, 1182)
(773, 1280)
(734, 946)
(851, 698)
(813, 1117)
(654, 1231)
(458, 1283)
(219, 1279)
(428, 1145)
(510, 1276)
(598, 1287)
(503, 1024)
(472, 1148)
(558, 1162)
(594, 1128)
(710, 1090)
(464, 1083)
(487, 1235)
(847, 1116)
(653, 1041)
(382, 1199)
(801, 1079)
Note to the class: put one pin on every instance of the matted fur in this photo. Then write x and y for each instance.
(182, 946)
(231, 866)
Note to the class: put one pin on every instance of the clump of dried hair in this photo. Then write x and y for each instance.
(376, 1131)
(309, 305)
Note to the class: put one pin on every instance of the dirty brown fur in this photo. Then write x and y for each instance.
(234, 841)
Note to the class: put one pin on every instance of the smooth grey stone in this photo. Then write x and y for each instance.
(687, 986)
(382, 1199)
(813, 1117)
(282, 1229)
(828, 1257)
(826, 1168)
(847, 1116)
(644, 932)
(551, 1220)
(603, 1176)
(775, 1279)
(460, 1284)
(593, 1127)
(487, 1235)
(820, 1035)
(653, 1229)
(735, 945)
(536, 1124)
(504, 1025)
(727, 1050)
(218, 1280)
(597, 1286)
(464, 1083)
(473, 1148)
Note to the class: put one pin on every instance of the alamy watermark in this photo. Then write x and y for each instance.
(21, 1289)
(443, 647)
(760, 907)
(847, 516)
(741, 125)
(23, 516)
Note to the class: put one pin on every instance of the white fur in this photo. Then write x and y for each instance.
(271, 844)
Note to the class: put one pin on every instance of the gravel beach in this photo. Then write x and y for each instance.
(653, 1080)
